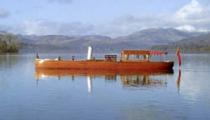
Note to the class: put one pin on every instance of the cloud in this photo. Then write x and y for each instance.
(186, 28)
(190, 28)
(42, 27)
(193, 14)
(128, 24)
(60, 1)
(121, 26)
(3, 13)
(192, 17)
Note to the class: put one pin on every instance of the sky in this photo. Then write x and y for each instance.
(104, 17)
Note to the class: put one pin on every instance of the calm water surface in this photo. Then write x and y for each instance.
(28, 95)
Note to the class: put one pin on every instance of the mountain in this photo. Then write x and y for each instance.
(156, 36)
(198, 44)
(56, 43)
(138, 40)
(3, 32)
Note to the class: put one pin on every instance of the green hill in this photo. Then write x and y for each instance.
(8, 43)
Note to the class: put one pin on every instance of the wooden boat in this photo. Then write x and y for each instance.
(110, 62)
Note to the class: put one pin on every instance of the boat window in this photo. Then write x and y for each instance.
(110, 57)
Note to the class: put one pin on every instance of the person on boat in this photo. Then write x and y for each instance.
(72, 58)
(37, 56)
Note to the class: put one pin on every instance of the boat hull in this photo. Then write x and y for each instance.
(105, 65)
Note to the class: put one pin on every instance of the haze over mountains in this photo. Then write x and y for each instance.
(143, 39)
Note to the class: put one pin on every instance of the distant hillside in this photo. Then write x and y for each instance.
(158, 36)
(198, 44)
(138, 40)
(56, 43)
(3, 32)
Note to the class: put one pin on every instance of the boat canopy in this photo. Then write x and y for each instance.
(143, 52)
(157, 52)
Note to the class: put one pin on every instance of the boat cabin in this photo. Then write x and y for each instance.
(125, 54)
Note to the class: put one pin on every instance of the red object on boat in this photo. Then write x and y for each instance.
(178, 53)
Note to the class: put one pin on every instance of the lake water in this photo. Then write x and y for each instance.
(53, 95)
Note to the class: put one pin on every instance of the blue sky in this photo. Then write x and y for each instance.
(106, 17)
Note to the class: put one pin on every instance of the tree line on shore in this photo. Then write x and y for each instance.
(9, 43)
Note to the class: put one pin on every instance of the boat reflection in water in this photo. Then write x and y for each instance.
(141, 81)
(128, 78)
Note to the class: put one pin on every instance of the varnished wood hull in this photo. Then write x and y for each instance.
(104, 65)
(79, 72)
